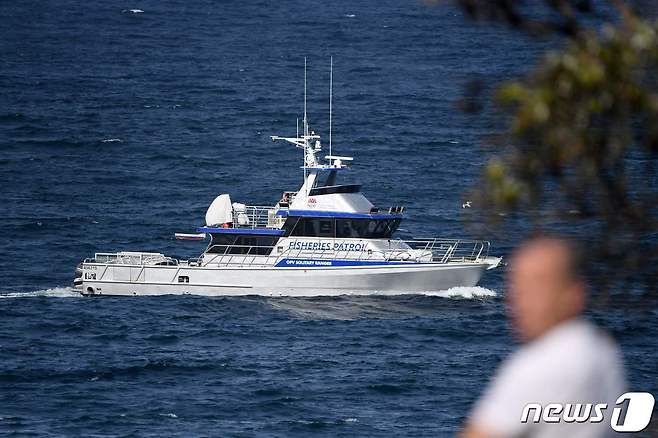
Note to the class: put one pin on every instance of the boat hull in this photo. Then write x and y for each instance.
(277, 281)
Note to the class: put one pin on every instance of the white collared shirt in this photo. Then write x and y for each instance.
(572, 363)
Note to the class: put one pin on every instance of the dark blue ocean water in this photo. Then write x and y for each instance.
(119, 128)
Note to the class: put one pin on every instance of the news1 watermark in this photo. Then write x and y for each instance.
(631, 413)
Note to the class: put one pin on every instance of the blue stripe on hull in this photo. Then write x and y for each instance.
(322, 213)
(260, 231)
(323, 263)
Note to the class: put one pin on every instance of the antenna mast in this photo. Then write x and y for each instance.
(305, 119)
(305, 125)
(331, 93)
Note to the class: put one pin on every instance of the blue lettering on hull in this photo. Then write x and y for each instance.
(324, 263)
(326, 246)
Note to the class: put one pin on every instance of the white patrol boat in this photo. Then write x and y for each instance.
(324, 239)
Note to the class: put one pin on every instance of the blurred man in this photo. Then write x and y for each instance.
(565, 359)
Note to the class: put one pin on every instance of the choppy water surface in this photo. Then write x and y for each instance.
(118, 127)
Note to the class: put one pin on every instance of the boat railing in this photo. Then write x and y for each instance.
(448, 250)
(133, 258)
(256, 216)
(415, 250)
(241, 255)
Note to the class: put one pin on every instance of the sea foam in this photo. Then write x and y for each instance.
(59, 292)
(463, 292)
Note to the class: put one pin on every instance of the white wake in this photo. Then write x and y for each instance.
(58, 292)
(383, 305)
(463, 292)
(454, 292)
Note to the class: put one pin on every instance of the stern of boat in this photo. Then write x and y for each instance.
(77, 279)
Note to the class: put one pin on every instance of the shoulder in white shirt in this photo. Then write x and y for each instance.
(572, 363)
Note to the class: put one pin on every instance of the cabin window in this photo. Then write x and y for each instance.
(343, 228)
(351, 228)
(326, 227)
(241, 244)
(183, 279)
(311, 227)
(315, 227)
(295, 226)
(373, 227)
(381, 229)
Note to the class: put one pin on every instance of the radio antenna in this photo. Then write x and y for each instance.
(306, 144)
(305, 120)
(331, 93)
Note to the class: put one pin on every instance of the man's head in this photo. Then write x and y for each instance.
(545, 287)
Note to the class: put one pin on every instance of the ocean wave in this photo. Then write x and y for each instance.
(12, 116)
(54, 143)
(374, 306)
(58, 292)
(463, 292)
(92, 374)
(284, 302)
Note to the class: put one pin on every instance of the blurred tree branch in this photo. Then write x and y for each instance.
(582, 145)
